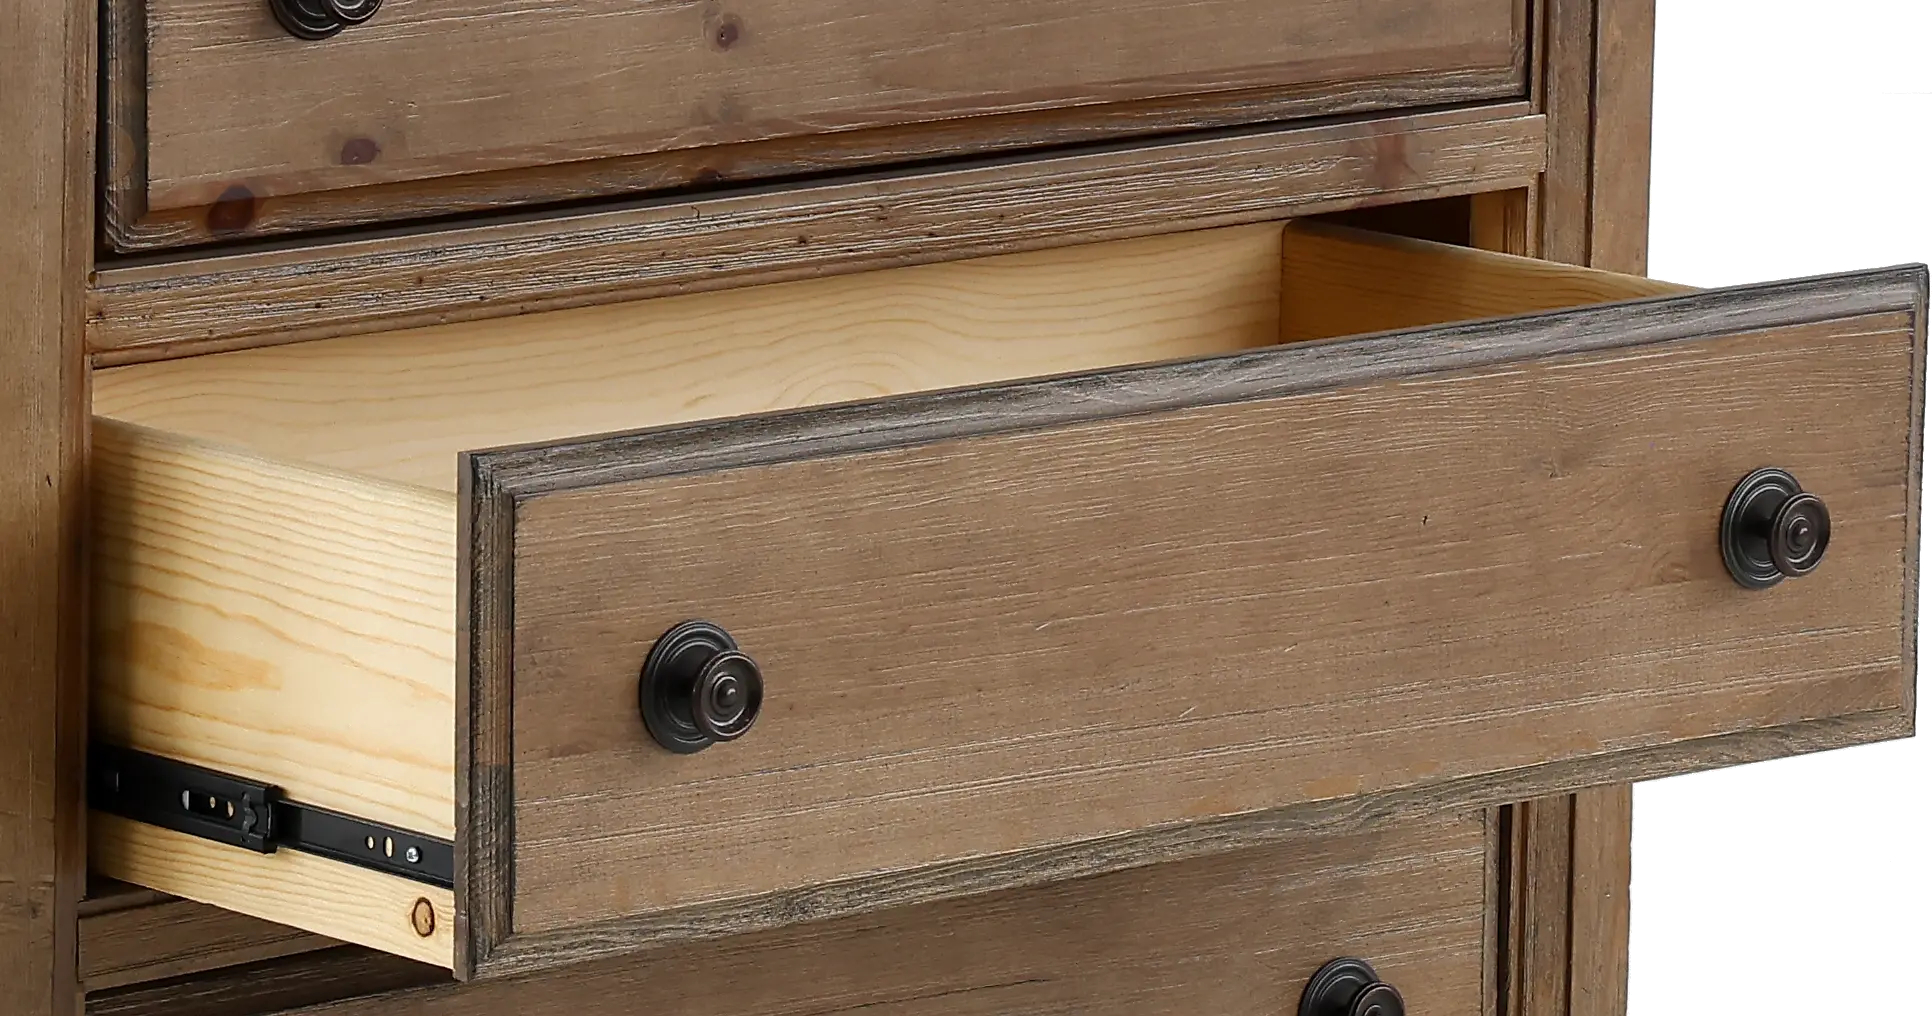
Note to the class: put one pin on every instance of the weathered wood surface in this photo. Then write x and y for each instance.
(205, 94)
(46, 249)
(678, 245)
(139, 935)
(1645, 396)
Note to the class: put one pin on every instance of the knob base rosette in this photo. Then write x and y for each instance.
(698, 689)
(1349, 987)
(1772, 530)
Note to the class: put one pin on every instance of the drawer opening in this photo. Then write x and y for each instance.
(275, 533)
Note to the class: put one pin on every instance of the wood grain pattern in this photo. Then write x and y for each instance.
(403, 406)
(582, 564)
(1619, 219)
(124, 116)
(1500, 222)
(1295, 375)
(696, 172)
(1237, 934)
(107, 896)
(1599, 960)
(560, 83)
(681, 245)
(285, 623)
(1338, 283)
(329, 898)
(47, 118)
(280, 985)
(169, 938)
(1566, 82)
(1540, 936)
(1914, 506)
(1620, 136)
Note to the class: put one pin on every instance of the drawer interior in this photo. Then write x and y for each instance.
(276, 544)
(402, 406)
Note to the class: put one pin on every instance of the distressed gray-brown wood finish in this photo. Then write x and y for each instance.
(1631, 420)
(202, 91)
(291, 982)
(768, 235)
(138, 935)
(1236, 934)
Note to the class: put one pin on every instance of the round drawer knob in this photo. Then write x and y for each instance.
(319, 19)
(698, 688)
(1773, 530)
(1378, 999)
(1349, 987)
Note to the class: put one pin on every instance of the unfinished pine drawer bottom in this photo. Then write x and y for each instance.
(1346, 547)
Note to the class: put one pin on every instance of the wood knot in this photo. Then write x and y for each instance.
(728, 32)
(359, 151)
(422, 917)
(233, 211)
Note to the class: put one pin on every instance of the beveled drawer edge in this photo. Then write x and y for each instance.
(769, 234)
(522, 954)
(521, 472)
(495, 483)
(131, 229)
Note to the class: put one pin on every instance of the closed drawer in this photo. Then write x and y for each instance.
(224, 125)
(1236, 934)
(1005, 632)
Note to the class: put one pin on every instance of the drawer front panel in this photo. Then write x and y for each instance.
(1029, 631)
(1234, 935)
(223, 110)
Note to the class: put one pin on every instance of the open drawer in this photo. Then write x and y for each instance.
(1003, 631)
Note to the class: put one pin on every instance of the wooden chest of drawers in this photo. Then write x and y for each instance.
(807, 506)
(1013, 631)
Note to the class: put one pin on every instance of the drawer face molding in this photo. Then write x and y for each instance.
(216, 110)
(1017, 632)
(975, 610)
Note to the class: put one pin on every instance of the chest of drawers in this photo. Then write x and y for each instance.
(802, 506)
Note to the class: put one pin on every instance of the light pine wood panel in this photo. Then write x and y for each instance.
(1473, 529)
(433, 88)
(404, 406)
(671, 246)
(1339, 282)
(284, 623)
(1237, 934)
(339, 900)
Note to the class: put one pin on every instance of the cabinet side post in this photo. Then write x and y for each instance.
(1592, 78)
(46, 180)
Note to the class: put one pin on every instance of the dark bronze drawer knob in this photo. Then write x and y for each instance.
(1773, 530)
(1349, 987)
(698, 688)
(319, 19)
